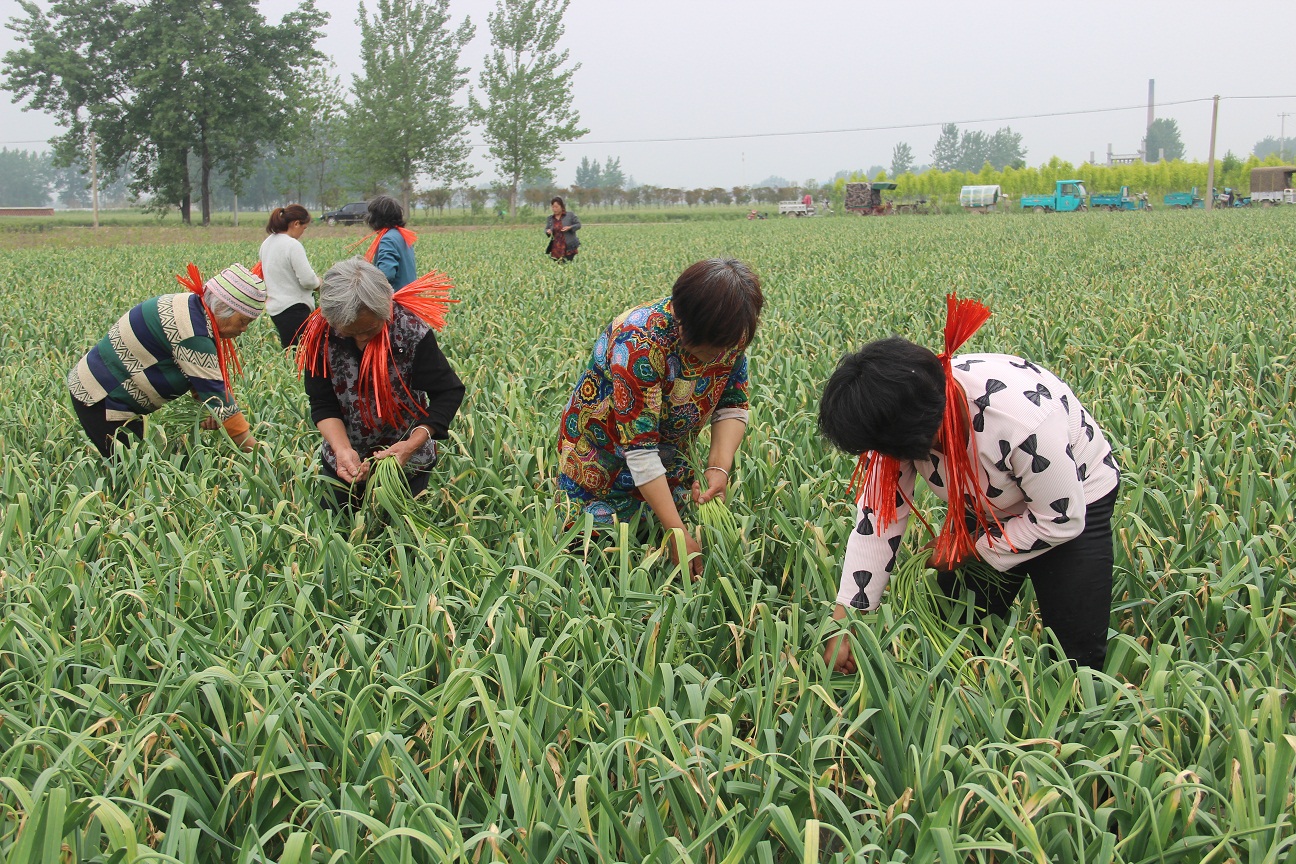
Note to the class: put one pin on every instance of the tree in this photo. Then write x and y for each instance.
(1163, 134)
(528, 110)
(1006, 149)
(404, 119)
(613, 178)
(901, 159)
(974, 151)
(68, 69)
(311, 168)
(945, 155)
(160, 80)
(1272, 144)
(24, 178)
(589, 174)
(210, 79)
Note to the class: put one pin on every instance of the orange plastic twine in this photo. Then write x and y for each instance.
(875, 482)
(226, 353)
(428, 298)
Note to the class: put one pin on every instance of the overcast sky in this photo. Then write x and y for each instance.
(705, 68)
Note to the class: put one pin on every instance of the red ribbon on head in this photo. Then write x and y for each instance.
(428, 298)
(226, 353)
(875, 482)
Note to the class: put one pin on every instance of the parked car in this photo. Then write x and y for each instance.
(348, 215)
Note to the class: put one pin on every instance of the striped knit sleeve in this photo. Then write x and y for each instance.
(194, 352)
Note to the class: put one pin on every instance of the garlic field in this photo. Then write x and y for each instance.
(199, 664)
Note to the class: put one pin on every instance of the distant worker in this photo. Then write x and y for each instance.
(561, 228)
(392, 250)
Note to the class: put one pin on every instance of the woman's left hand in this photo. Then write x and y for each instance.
(402, 450)
(717, 484)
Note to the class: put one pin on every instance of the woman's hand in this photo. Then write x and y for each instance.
(404, 450)
(717, 485)
(349, 466)
(837, 656)
(548, 232)
(209, 423)
(692, 549)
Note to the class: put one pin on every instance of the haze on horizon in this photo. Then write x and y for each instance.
(678, 69)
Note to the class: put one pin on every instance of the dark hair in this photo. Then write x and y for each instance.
(281, 218)
(557, 200)
(385, 212)
(889, 396)
(717, 303)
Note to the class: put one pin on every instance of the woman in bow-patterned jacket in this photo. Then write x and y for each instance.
(1011, 441)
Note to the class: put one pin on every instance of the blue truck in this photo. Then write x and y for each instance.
(1068, 196)
(1122, 200)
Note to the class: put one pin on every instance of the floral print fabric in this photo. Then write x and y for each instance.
(641, 390)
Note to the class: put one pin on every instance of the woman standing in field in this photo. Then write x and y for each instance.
(1035, 475)
(164, 348)
(377, 381)
(561, 228)
(392, 250)
(289, 280)
(658, 374)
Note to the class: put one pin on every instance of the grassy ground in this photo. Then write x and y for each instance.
(198, 664)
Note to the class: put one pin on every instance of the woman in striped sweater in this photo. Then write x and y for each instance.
(162, 349)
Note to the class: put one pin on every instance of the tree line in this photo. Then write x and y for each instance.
(179, 97)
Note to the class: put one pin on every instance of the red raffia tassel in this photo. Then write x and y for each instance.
(258, 271)
(312, 349)
(410, 238)
(378, 401)
(428, 297)
(875, 483)
(226, 353)
(955, 542)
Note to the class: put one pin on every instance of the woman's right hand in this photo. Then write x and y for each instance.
(349, 466)
(692, 549)
(548, 232)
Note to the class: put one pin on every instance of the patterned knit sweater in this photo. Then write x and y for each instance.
(158, 351)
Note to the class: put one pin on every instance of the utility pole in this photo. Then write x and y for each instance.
(1210, 160)
(94, 177)
(1282, 135)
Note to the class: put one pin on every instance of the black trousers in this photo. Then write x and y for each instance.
(104, 433)
(289, 322)
(1072, 582)
(349, 496)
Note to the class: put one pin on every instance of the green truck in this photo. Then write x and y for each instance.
(1068, 196)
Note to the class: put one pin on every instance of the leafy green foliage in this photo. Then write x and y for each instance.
(1163, 135)
(24, 178)
(527, 112)
(404, 119)
(198, 663)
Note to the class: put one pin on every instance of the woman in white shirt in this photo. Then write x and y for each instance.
(289, 280)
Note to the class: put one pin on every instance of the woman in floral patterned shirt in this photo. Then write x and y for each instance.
(658, 374)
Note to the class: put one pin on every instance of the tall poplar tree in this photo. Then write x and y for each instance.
(162, 81)
(527, 112)
(404, 119)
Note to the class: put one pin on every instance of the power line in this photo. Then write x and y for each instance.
(887, 128)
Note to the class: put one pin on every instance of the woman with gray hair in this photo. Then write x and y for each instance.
(377, 381)
(164, 348)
